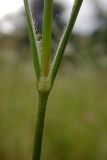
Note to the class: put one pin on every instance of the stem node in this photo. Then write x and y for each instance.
(44, 85)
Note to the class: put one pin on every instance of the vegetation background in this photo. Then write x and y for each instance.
(76, 119)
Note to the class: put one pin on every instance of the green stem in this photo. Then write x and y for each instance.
(43, 97)
(46, 37)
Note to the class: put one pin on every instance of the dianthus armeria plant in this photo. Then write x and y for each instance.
(45, 69)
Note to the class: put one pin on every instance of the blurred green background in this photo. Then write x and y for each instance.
(76, 118)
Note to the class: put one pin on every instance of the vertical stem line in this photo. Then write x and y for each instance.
(43, 97)
(46, 36)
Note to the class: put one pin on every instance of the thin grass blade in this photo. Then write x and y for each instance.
(65, 38)
(33, 38)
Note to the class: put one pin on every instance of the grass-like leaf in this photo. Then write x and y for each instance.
(33, 38)
(65, 38)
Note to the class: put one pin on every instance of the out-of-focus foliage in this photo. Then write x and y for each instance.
(76, 121)
(91, 50)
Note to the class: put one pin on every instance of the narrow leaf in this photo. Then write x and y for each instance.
(65, 38)
(33, 39)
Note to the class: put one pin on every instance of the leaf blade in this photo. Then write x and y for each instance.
(33, 38)
(64, 40)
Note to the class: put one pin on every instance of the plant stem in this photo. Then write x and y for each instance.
(43, 97)
(46, 37)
